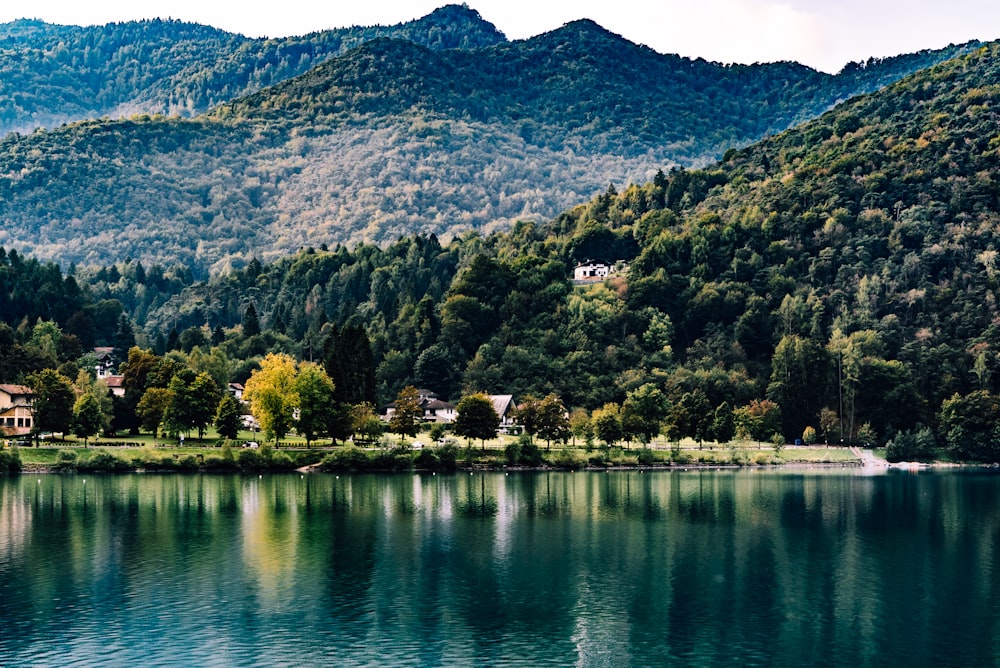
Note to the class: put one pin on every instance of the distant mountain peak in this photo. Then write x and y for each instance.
(456, 11)
(462, 19)
(584, 28)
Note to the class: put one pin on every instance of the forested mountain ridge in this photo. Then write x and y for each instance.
(839, 279)
(392, 139)
(845, 270)
(52, 74)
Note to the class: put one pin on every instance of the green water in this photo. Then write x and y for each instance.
(594, 569)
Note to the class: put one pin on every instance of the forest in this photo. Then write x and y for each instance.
(836, 282)
(52, 74)
(456, 131)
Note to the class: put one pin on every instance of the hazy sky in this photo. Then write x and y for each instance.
(824, 34)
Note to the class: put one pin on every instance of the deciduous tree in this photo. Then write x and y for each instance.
(152, 407)
(407, 413)
(88, 418)
(607, 422)
(271, 393)
(315, 392)
(553, 422)
(476, 418)
(52, 401)
(644, 411)
(228, 417)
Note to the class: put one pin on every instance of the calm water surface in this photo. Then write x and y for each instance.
(591, 569)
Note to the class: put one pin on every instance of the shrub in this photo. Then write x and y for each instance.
(187, 463)
(249, 460)
(66, 461)
(565, 459)
(281, 461)
(597, 460)
(396, 458)
(645, 457)
(10, 460)
(348, 458)
(427, 460)
(151, 460)
(911, 446)
(512, 452)
(220, 463)
(306, 458)
(102, 460)
(531, 454)
(448, 456)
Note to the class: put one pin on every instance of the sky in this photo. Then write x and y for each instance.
(824, 34)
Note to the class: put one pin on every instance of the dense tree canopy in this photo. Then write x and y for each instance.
(412, 138)
(840, 278)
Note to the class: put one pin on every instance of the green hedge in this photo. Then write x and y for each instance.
(10, 460)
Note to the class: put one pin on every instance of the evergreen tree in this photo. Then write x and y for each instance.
(251, 324)
(124, 337)
(218, 335)
(723, 427)
(348, 360)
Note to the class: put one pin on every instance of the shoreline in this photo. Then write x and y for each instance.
(100, 458)
(910, 467)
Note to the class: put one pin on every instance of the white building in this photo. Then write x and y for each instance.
(597, 271)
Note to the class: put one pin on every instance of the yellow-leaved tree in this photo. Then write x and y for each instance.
(272, 394)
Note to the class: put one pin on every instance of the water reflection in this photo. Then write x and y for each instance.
(588, 568)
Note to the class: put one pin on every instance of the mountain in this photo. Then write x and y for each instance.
(51, 74)
(839, 279)
(394, 138)
(845, 270)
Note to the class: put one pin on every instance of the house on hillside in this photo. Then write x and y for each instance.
(597, 271)
(15, 410)
(505, 407)
(116, 384)
(105, 361)
(236, 389)
(434, 409)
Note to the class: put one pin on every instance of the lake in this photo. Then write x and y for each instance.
(751, 568)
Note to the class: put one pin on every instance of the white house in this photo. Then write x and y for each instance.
(236, 389)
(597, 271)
(105, 361)
(434, 409)
(505, 407)
(116, 384)
(15, 410)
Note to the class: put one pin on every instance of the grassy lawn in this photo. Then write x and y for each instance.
(488, 454)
